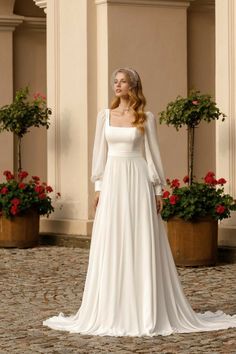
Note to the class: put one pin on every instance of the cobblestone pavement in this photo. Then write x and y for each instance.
(40, 282)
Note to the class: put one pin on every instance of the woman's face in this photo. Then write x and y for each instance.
(121, 85)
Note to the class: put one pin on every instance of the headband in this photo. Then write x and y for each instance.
(134, 78)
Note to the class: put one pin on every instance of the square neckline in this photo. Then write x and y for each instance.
(113, 126)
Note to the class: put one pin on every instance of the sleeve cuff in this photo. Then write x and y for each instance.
(98, 185)
(158, 189)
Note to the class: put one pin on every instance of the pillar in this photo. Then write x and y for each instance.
(225, 97)
(72, 95)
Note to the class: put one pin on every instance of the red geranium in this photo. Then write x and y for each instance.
(210, 178)
(221, 181)
(21, 185)
(220, 209)
(4, 190)
(186, 179)
(8, 175)
(15, 201)
(39, 189)
(173, 199)
(166, 194)
(14, 209)
(49, 189)
(175, 183)
(42, 196)
(22, 175)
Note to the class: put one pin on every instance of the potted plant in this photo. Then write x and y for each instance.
(21, 202)
(189, 112)
(192, 212)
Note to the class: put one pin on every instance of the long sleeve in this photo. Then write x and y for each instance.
(99, 157)
(153, 157)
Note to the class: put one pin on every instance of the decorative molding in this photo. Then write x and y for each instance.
(35, 23)
(9, 23)
(42, 4)
(202, 5)
(157, 3)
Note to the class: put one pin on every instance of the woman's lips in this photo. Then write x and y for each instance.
(118, 90)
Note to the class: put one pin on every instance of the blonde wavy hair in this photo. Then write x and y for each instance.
(136, 97)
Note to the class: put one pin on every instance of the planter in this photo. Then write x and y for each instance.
(193, 243)
(20, 231)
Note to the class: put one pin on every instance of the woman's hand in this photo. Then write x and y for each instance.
(96, 199)
(159, 203)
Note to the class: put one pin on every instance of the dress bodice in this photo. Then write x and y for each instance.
(123, 141)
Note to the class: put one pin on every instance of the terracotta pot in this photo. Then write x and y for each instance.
(20, 231)
(193, 242)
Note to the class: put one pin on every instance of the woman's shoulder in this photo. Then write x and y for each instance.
(150, 116)
(101, 115)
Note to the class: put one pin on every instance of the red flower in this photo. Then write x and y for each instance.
(49, 189)
(175, 183)
(210, 178)
(39, 189)
(165, 195)
(8, 175)
(186, 179)
(22, 175)
(35, 178)
(4, 190)
(220, 209)
(15, 201)
(14, 209)
(21, 185)
(195, 102)
(168, 181)
(58, 194)
(42, 196)
(173, 199)
(221, 181)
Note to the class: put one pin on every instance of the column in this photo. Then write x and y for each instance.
(71, 93)
(225, 97)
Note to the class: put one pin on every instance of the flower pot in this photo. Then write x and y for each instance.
(20, 231)
(193, 243)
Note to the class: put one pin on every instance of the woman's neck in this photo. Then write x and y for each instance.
(124, 103)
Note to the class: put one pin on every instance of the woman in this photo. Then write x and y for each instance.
(132, 286)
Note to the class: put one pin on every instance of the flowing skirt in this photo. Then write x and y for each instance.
(132, 287)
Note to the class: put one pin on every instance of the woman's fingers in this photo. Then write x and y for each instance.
(159, 203)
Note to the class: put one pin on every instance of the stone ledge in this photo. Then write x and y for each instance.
(226, 254)
(51, 239)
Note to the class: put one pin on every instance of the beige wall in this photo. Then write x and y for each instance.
(30, 69)
(152, 39)
(201, 76)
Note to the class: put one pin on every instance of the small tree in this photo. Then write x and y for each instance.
(190, 111)
(21, 115)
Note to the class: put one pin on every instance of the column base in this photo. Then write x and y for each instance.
(66, 226)
(227, 236)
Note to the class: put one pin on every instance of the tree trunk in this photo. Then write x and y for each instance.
(190, 153)
(19, 153)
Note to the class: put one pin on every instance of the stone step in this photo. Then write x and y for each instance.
(226, 254)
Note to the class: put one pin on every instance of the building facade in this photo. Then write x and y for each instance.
(69, 50)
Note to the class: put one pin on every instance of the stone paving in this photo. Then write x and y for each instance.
(40, 282)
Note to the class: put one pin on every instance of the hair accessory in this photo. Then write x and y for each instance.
(133, 75)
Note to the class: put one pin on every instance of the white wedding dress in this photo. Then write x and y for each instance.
(132, 286)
